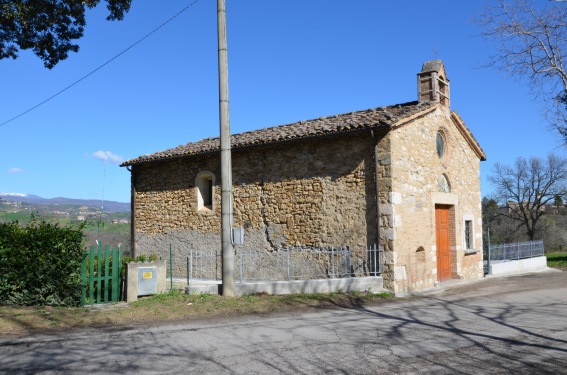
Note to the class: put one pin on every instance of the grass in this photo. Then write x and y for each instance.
(172, 307)
(557, 260)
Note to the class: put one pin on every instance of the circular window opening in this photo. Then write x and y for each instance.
(440, 144)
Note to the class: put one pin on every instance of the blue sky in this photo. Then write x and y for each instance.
(289, 60)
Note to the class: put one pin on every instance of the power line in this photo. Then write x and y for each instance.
(101, 66)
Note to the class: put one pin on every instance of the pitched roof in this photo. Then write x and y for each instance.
(468, 135)
(381, 117)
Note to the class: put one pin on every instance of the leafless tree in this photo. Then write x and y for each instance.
(531, 38)
(527, 187)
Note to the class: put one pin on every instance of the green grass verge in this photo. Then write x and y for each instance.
(173, 306)
(557, 260)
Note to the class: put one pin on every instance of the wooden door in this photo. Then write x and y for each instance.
(443, 232)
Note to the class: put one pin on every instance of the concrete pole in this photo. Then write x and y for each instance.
(226, 168)
(489, 254)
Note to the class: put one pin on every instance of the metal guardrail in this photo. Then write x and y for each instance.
(516, 251)
(298, 263)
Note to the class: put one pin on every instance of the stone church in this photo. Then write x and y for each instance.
(404, 177)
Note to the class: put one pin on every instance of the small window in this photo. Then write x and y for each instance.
(204, 184)
(440, 144)
(468, 235)
(208, 193)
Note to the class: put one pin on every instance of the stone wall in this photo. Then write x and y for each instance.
(417, 185)
(384, 170)
(313, 193)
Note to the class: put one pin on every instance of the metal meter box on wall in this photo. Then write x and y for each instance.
(238, 236)
(147, 281)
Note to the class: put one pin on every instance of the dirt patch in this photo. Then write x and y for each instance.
(171, 308)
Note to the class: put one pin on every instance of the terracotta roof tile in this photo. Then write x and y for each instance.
(381, 117)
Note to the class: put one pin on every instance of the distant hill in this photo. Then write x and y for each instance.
(108, 206)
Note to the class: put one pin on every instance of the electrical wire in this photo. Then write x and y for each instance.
(101, 66)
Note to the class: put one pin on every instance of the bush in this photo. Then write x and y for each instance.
(40, 264)
(140, 258)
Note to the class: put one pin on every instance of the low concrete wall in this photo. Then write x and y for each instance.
(518, 266)
(132, 278)
(208, 287)
(374, 284)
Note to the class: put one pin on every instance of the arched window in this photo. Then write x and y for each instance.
(204, 184)
(441, 144)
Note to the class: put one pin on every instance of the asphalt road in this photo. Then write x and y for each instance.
(496, 326)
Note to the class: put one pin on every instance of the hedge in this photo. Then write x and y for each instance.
(40, 264)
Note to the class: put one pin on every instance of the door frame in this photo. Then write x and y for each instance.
(446, 272)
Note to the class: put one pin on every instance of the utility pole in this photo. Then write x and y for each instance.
(489, 255)
(226, 168)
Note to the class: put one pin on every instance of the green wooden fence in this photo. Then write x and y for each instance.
(101, 275)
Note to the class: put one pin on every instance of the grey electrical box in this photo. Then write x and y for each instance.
(147, 281)
(238, 236)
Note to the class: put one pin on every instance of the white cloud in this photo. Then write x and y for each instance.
(15, 170)
(108, 157)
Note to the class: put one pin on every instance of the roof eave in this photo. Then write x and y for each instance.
(260, 145)
(467, 134)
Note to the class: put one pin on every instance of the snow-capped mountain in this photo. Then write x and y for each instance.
(110, 206)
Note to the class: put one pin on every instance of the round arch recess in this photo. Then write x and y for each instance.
(443, 184)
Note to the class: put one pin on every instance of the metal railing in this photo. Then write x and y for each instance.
(298, 263)
(204, 265)
(515, 251)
